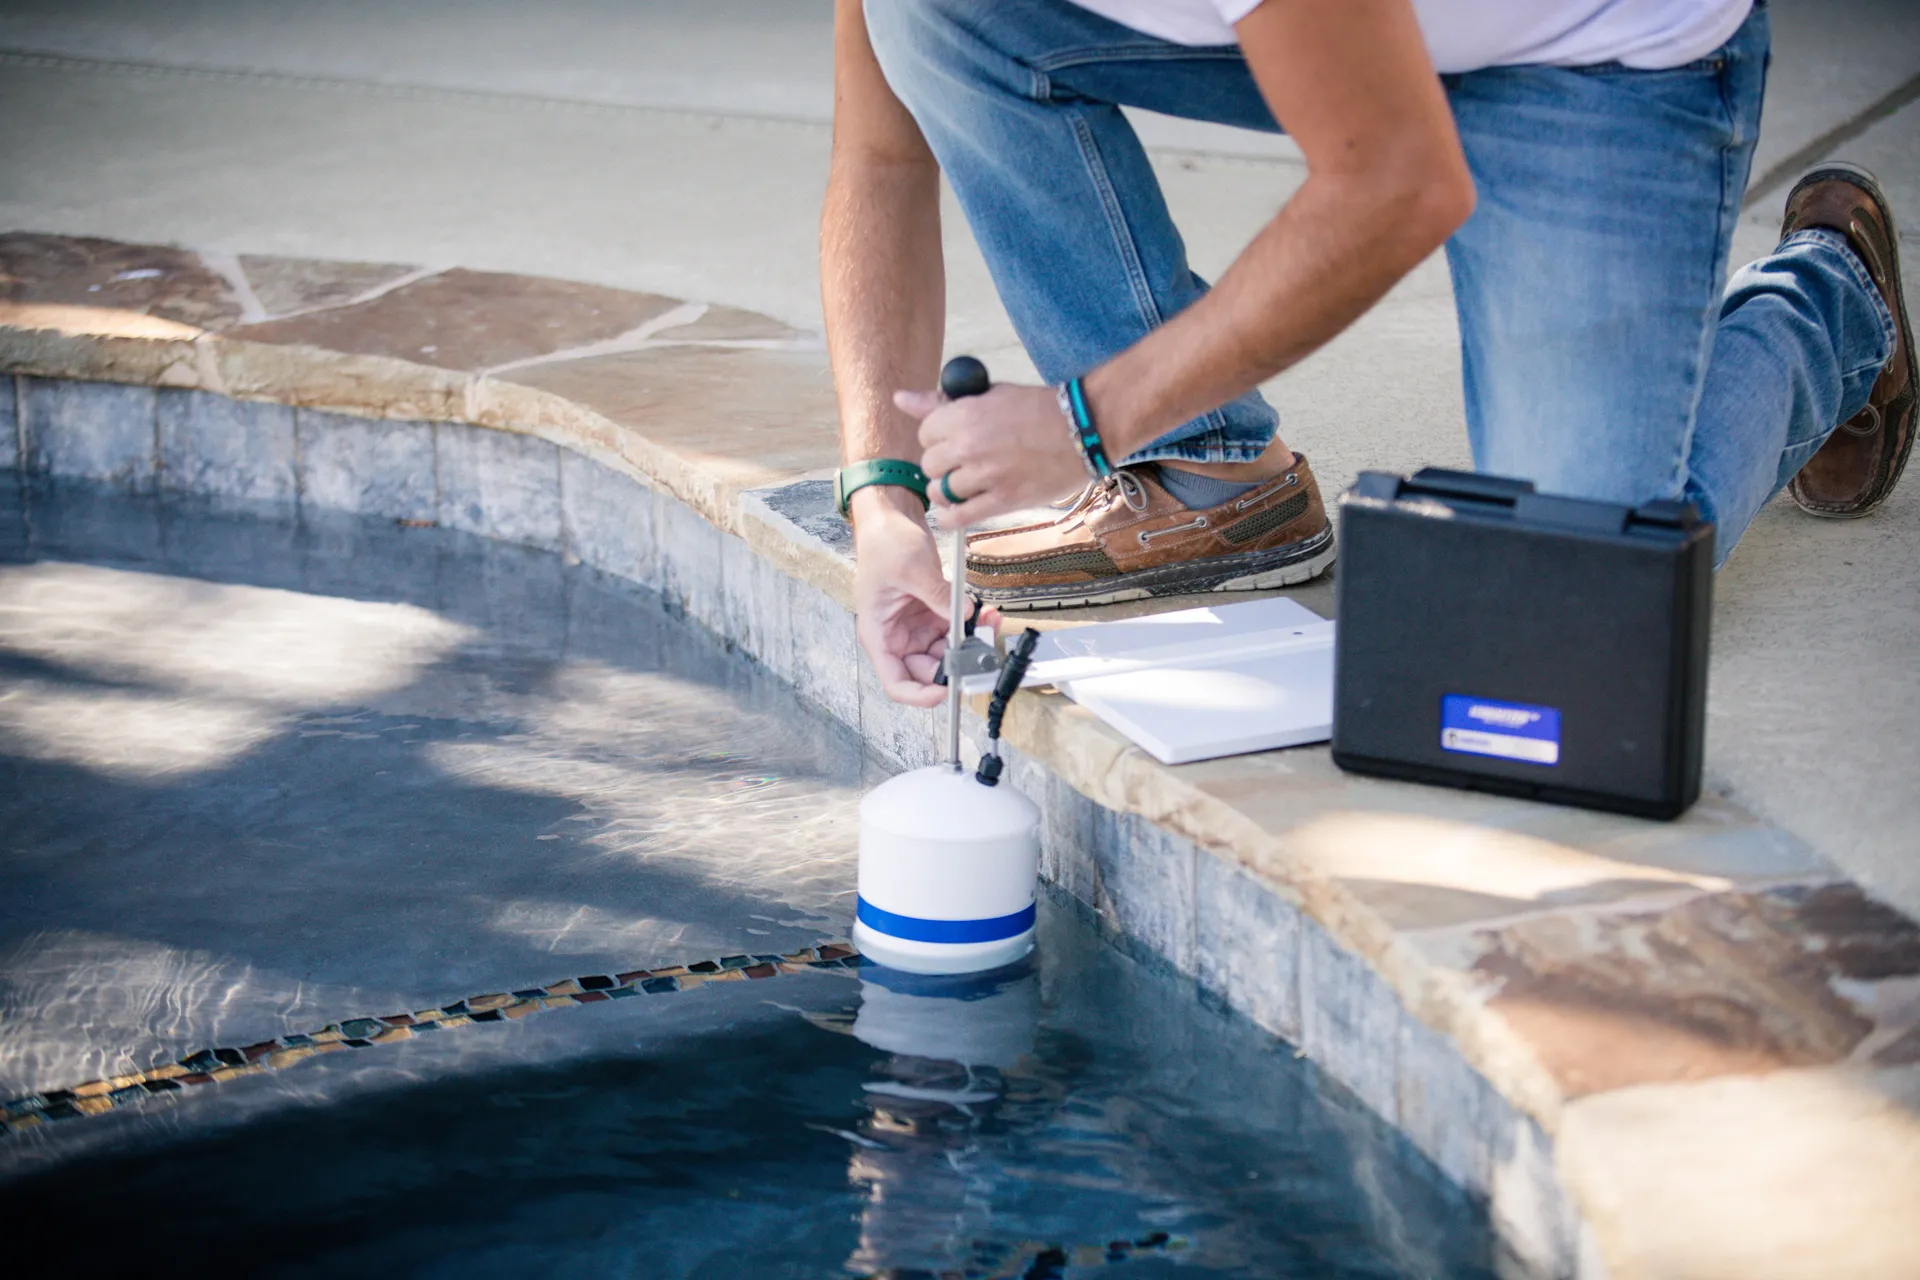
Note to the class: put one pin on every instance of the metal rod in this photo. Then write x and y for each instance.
(959, 377)
(956, 636)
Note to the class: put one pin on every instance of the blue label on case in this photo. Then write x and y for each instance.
(1504, 730)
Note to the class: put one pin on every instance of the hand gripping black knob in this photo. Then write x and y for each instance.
(964, 376)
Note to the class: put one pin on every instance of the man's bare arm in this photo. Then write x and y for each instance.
(1387, 184)
(882, 278)
(883, 284)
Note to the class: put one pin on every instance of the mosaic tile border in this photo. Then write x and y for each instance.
(215, 1066)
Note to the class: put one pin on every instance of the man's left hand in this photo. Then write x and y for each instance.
(1007, 450)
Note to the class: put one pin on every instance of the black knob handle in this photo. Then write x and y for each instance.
(964, 376)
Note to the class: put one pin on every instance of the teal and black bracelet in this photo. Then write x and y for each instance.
(1086, 436)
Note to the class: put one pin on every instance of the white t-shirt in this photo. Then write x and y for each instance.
(1466, 35)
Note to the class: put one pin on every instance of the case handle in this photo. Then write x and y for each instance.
(1443, 482)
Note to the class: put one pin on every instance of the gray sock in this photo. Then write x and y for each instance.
(1198, 492)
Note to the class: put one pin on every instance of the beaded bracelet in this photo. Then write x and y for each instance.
(1086, 436)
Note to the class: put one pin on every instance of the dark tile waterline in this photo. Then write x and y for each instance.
(208, 1066)
(574, 775)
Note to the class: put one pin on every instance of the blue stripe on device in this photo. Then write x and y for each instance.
(917, 929)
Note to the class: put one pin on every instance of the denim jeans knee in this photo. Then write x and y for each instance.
(1056, 188)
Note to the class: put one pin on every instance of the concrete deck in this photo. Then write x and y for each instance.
(1773, 1045)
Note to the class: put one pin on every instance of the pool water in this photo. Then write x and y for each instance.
(269, 784)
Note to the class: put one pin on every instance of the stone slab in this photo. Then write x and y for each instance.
(1445, 1107)
(757, 607)
(469, 320)
(89, 431)
(305, 284)
(608, 519)
(808, 506)
(1430, 858)
(241, 450)
(15, 529)
(9, 425)
(1350, 1020)
(826, 657)
(498, 485)
(731, 324)
(1247, 947)
(149, 279)
(1536, 1219)
(1144, 885)
(380, 468)
(691, 563)
(1719, 984)
(1068, 830)
(1825, 1182)
(750, 418)
(906, 737)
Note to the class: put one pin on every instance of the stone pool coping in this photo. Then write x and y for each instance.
(1645, 1044)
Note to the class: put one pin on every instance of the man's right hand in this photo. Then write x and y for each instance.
(900, 595)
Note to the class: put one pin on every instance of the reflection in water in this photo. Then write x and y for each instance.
(955, 1045)
(959, 1069)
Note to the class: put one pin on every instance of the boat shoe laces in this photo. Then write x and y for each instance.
(1121, 485)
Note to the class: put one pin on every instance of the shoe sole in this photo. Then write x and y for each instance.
(1864, 178)
(1248, 571)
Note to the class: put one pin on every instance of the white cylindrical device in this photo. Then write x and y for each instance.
(947, 873)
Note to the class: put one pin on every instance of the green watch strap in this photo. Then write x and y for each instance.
(858, 475)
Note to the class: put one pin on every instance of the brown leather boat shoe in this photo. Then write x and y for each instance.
(1857, 467)
(1127, 538)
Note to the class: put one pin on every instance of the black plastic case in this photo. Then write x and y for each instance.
(1506, 640)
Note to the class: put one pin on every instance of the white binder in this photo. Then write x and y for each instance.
(1201, 683)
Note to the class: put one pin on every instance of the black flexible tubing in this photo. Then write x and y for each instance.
(1004, 688)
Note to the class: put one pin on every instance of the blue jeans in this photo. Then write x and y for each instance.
(1602, 356)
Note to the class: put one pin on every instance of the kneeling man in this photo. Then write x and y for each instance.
(1582, 162)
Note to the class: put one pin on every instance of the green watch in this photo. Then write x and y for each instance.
(856, 476)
